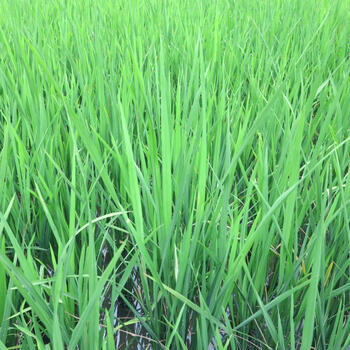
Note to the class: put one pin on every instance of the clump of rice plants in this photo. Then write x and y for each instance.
(174, 174)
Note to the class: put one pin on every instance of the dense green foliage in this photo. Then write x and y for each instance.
(186, 162)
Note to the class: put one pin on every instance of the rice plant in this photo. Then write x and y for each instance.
(174, 174)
